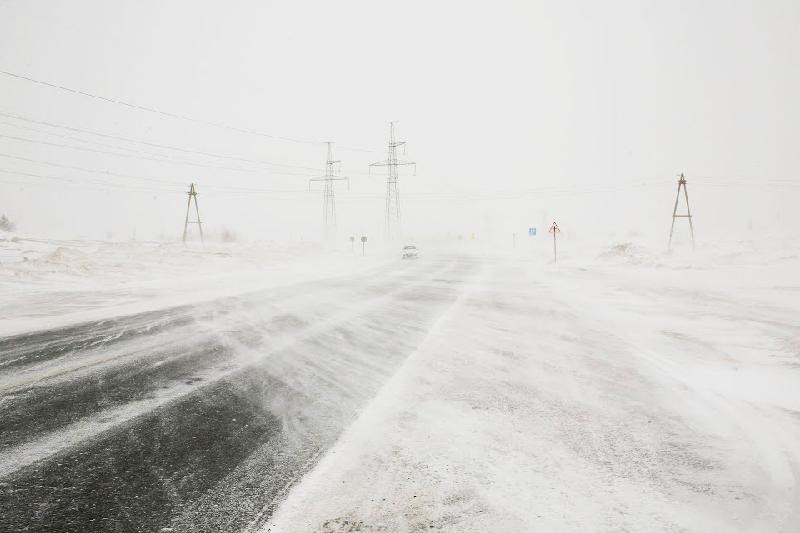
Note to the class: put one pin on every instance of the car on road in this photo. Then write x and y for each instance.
(410, 252)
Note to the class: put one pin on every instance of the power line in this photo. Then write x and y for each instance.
(101, 184)
(83, 169)
(93, 143)
(100, 188)
(160, 181)
(749, 181)
(154, 110)
(423, 196)
(152, 144)
(163, 113)
(143, 157)
(150, 155)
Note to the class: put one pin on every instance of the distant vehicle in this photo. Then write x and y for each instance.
(410, 252)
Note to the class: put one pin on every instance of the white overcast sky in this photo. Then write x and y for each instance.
(516, 113)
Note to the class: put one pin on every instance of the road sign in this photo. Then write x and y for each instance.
(531, 232)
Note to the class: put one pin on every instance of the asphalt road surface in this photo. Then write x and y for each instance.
(199, 418)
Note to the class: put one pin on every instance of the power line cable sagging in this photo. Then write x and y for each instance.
(151, 144)
(164, 113)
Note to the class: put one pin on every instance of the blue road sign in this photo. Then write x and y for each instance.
(531, 232)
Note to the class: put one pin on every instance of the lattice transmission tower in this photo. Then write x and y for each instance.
(393, 219)
(329, 198)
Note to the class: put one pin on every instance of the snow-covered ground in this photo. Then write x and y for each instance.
(620, 390)
(623, 388)
(47, 283)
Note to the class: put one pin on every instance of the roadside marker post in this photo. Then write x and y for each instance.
(554, 229)
(363, 242)
(352, 243)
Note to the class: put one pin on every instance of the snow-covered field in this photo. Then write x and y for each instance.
(623, 388)
(620, 390)
(49, 283)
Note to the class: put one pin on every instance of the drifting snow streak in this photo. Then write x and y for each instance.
(289, 365)
(574, 399)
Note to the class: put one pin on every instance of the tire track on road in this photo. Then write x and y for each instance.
(212, 455)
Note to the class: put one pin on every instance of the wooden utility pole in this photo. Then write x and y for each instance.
(192, 196)
(554, 229)
(688, 215)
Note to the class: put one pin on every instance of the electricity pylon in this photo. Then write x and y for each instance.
(192, 196)
(329, 199)
(393, 226)
(688, 215)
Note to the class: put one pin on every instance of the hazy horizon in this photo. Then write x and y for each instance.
(516, 114)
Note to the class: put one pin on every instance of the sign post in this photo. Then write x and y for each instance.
(352, 243)
(363, 242)
(554, 229)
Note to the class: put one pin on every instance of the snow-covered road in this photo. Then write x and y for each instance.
(198, 418)
(580, 399)
(460, 392)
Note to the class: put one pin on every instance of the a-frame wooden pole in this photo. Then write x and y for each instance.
(197, 212)
(681, 183)
(688, 212)
(188, 206)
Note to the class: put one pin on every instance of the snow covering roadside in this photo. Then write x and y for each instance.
(47, 283)
(603, 396)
